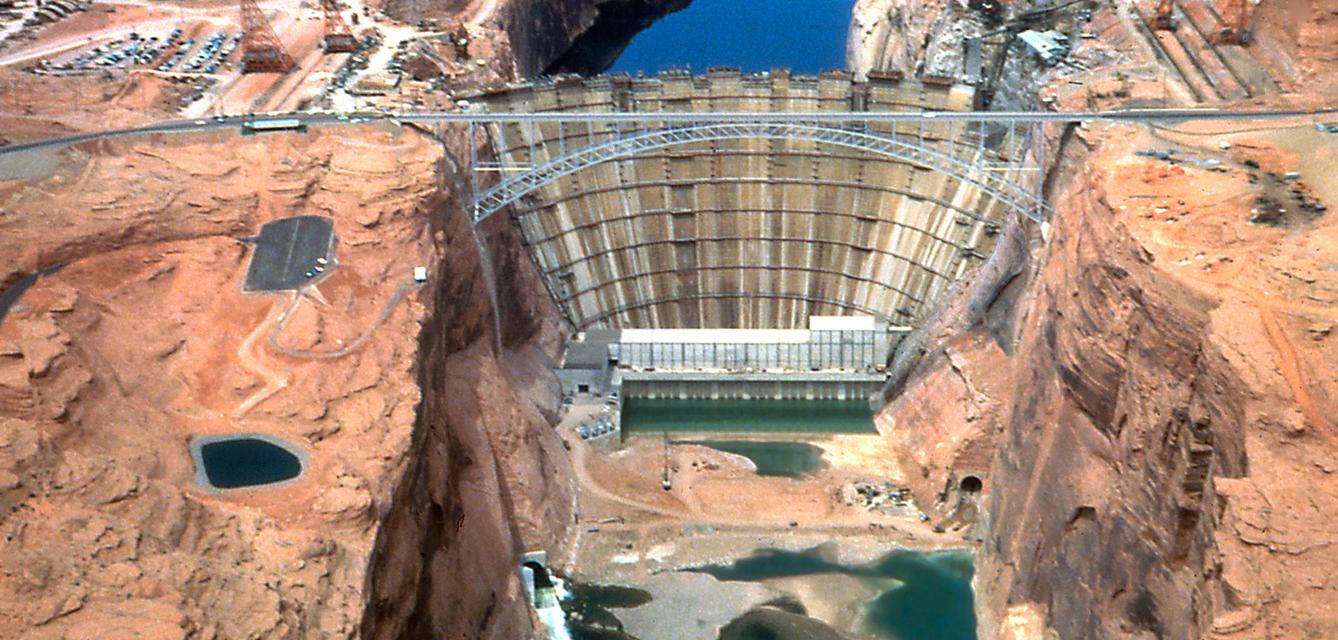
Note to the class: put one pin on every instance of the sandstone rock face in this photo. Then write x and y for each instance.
(429, 468)
(522, 38)
(542, 30)
(489, 478)
(144, 339)
(890, 34)
(1157, 400)
(1103, 509)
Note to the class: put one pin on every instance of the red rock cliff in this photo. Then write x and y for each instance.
(1103, 509)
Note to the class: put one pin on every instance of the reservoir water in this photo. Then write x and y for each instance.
(786, 459)
(659, 415)
(590, 610)
(805, 36)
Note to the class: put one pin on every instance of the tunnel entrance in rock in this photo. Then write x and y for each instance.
(971, 485)
(540, 575)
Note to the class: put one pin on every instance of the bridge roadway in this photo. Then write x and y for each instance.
(1134, 116)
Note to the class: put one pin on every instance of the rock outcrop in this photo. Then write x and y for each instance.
(523, 38)
(1155, 399)
(1125, 413)
(895, 34)
(489, 478)
(429, 467)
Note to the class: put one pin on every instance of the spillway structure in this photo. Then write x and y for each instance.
(871, 206)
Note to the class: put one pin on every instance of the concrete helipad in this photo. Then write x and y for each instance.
(289, 253)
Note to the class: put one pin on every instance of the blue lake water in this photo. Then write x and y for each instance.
(805, 36)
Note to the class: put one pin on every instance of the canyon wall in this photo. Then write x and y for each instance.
(944, 405)
(1153, 387)
(526, 37)
(898, 34)
(541, 31)
(1124, 412)
(487, 478)
(1083, 387)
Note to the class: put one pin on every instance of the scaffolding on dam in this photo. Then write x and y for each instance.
(752, 224)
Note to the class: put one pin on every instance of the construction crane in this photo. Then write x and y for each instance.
(338, 37)
(665, 482)
(261, 50)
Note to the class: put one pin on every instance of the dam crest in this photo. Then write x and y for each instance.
(870, 206)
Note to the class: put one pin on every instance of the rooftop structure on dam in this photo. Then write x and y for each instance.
(752, 224)
(836, 357)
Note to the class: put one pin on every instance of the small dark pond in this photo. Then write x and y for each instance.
(233, 462)
(785, 459)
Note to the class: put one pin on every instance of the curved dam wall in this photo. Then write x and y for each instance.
(751, 231)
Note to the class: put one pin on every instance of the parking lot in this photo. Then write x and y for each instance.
(168, 53)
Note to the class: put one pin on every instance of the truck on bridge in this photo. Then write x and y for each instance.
(252, 127)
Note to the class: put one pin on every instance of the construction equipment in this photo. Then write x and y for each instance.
(665, 482)
(1236, 18)
(261, 50)
(1164, 18)
(993, 10)
(1049, 45)
(338, 37)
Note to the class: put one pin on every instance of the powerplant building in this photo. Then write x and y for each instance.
(836, 358)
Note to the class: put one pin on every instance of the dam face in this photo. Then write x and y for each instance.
(745, 272)
(759, 225)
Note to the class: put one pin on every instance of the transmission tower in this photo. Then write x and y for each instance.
(338, 37)
(261, 49)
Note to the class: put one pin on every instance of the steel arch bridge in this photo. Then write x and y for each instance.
(991, 178)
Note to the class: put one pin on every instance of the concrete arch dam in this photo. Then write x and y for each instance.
(752, 223)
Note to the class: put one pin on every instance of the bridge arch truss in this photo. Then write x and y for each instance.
(930, 189)
(1001, 180)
